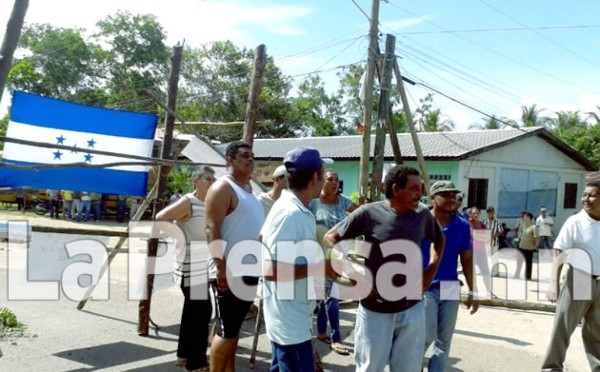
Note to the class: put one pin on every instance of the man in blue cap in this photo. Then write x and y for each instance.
(289, 235)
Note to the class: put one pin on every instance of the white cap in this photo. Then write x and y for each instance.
(279, 171)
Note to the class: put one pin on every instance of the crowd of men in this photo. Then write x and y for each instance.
(408, 288)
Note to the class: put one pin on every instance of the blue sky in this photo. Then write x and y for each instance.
(493, 55)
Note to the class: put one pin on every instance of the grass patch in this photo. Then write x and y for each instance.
(10, 325)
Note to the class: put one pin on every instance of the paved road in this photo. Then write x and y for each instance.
(103, 335)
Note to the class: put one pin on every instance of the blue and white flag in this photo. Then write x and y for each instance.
(41, 119)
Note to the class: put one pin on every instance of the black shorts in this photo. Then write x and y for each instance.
(230, 310)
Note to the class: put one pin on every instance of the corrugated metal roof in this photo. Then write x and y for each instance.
(448, 145)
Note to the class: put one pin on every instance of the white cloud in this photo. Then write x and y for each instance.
(400, 24)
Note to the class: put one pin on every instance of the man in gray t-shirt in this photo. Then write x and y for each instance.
(389, 330)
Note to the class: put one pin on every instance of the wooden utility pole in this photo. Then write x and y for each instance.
(161, 186)
(411, 125)
(382, 115)
(368, 102)
(260, 60)
(11, 39)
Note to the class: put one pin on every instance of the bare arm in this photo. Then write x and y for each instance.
(181, 210)
(218, 204)
(557, 265)
(331, 238)
(466, 260)
(352, 208)
(285, 272)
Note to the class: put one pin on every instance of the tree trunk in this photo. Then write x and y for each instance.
(11, 39)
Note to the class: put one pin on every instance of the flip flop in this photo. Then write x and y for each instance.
(340, 349)
(324, 339)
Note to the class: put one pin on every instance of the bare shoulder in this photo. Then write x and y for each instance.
(220, 196)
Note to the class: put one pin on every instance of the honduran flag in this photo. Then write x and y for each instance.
(48, 120)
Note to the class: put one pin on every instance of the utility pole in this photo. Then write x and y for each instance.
(11, 40)
(368, 102)
(260, 60)
(382, 114)
(411, 126)
(161, 186)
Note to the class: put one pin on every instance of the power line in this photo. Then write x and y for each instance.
(540, 34)
(496, 52)
(502, 29)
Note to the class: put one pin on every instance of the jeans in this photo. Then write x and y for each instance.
(329, 310)
(97, 209)
(54, 208)
(292, 358)
(86, 206)
(67, 206)
(394, 339)
(193, 331)
(440, 322)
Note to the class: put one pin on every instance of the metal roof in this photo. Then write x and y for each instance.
(434, 145)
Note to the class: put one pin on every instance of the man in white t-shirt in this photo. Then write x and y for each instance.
(578, 246)
(544, 225)
(280, 183)
(289, 232)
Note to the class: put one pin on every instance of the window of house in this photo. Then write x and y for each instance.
(570, 200)
(524, 190)
(439, 177)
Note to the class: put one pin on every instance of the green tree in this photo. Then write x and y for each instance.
(57, 63)
(532, 116)
(214, 84)
(431, 119)
(594, 116)
(136, 62)
(566, 121)
(317, 111)
(488, 123)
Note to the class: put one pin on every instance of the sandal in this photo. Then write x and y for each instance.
(339, 348)
(324, 338)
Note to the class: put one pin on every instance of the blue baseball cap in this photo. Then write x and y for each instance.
(304, 158)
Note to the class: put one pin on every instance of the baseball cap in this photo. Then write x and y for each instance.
(543, 210)
(303, 158)
(279, 171)
(490, 209)
(442, 186)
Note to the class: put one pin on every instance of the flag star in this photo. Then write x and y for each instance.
(57, 155)
(60, 140)
(91, 143)
(88, 158)
(74, 149)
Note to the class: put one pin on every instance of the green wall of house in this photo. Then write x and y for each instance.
(348, 172)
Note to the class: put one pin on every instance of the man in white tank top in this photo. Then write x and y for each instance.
(233, 214)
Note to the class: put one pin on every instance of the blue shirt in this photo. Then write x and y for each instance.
(458, 239)
(329, 215)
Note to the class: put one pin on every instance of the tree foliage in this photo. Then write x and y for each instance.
(431, 119)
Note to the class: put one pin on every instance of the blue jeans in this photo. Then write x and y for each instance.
(86, 206)
(440, 323)
(97, 210)
(67, 205)
(394, 339)
(329, 310)
(292, 358)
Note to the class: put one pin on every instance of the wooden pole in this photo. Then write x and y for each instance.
(382, 114)
(411, 126)
(260, 60)
(11, 40)
(368, 102)
(163, 172)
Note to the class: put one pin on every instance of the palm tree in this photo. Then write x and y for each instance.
(594, 115)
(567, 120)
(488, 122)
(434, 121)
(532, 117)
